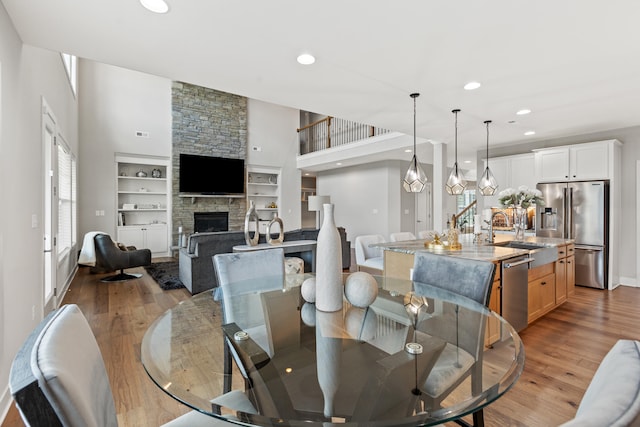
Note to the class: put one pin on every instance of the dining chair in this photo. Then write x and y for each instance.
(613, 395)
(426, 234)
(367, 258)
(464, 279)
(58, 377)
(402, 236)
(234, 271)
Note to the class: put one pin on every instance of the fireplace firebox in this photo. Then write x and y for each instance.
(210, 221)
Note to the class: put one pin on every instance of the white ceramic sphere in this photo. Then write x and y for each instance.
(308, 290)
(308, 314)
(360, 323)
(361, 289)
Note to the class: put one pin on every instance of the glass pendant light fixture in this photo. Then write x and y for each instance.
(487, 183)
(456, 182)
(415, 178)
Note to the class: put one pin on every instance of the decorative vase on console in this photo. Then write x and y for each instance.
(520, 200)
(329, 289)
(520, 222)
(251, 218)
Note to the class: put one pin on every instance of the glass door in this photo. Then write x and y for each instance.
(49, 222)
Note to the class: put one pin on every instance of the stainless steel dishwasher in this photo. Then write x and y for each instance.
(515, 291)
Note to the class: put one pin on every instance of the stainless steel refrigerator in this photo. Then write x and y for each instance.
(579, 211)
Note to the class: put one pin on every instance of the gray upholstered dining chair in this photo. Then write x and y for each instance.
(613, 396)
(58, 377)
(234, 271)
(462, 356)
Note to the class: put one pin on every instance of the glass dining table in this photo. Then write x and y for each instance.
(387, 364)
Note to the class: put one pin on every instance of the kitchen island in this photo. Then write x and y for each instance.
(542, 287)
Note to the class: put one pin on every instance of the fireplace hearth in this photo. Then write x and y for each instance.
(210, 221)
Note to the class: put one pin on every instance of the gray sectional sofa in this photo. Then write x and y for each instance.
(196, 264)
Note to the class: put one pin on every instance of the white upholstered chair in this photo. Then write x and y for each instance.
(469, 279)
(426, 234)
(58, 377)
(367, 258)
(613, 396)
(402, 236)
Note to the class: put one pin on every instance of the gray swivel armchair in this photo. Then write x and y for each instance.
(110, 257)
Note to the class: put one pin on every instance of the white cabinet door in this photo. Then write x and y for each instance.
(500, 168)
(573, 163)
(523, 171)
(156, 237)
(589, 162)
(552, 165)
(131, 236)
(151, 236)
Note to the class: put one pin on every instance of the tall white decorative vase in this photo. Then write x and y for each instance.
(329, 329)
(329, 289)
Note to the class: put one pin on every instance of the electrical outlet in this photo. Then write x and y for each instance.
(142, 134)
(256, 148)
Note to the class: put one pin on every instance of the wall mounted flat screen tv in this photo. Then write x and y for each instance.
(211, 175)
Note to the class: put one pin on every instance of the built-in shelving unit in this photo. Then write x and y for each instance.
(263, 188)
(143, 202)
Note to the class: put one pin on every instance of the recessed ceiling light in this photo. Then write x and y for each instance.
(467, 161)
(339, 164)
(408, 150)
(523, 112)
(306, 59)
(155, 6)
(472, 85)
(530, 132)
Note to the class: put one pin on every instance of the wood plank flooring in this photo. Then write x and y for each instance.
(563, 350)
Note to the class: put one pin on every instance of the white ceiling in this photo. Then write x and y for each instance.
(574, 63)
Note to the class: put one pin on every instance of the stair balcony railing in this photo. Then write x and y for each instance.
(333, 132)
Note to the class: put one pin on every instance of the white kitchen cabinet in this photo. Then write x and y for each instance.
(510, 172)
(143, 204)
(150, 236)
(578, 162)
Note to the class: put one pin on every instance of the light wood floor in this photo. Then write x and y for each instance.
(563, 350)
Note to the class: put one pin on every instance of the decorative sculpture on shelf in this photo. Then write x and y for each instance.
(452, 236)
(280, 238)
(251, 218)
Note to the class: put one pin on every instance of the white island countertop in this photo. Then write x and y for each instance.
(471, 250)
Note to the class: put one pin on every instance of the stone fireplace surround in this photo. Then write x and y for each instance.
(210, 123)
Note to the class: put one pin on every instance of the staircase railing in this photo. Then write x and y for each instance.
(333, 132)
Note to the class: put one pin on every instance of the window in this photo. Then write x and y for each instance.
(71, 67)
(66, 200)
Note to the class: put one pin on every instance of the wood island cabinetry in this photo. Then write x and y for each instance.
(495, 304)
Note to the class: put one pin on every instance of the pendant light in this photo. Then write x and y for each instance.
(415, 178)
(487, 183)
(456, 182)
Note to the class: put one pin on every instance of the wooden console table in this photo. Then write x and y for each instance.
(291, 246)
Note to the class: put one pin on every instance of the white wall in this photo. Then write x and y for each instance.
(114, 104)
(272, 128)
(364, 197)
(28, 74)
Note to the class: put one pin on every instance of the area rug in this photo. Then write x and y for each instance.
(165, 274)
